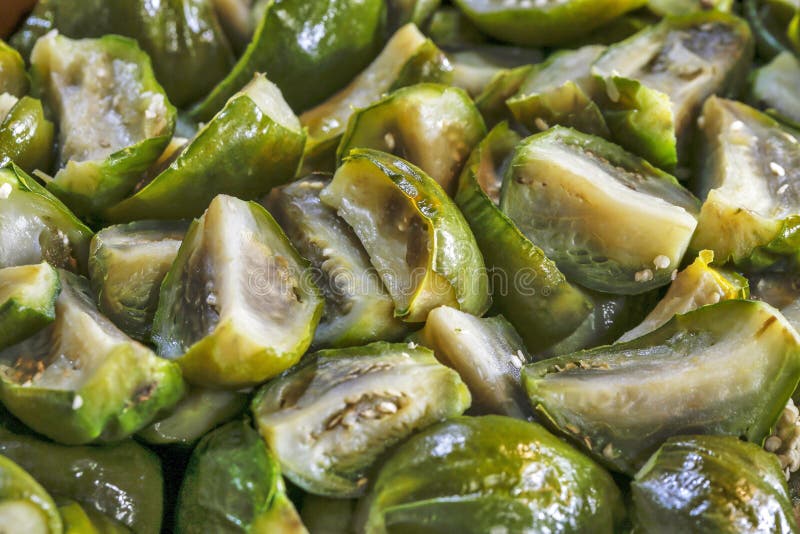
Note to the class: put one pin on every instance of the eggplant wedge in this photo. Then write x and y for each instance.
(27, 301)
(727, 369)
(774, 88)
(26, 136)
(25, 506)
(330, 418)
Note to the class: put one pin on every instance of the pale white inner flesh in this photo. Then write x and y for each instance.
(7, 102)
(270, 101)
(774, 85)
(31, 284)
(22, 516)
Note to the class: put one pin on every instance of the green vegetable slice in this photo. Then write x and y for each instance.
(481, 474)
(26, 136)
(233, 484)
(114, 119)
(432, 126)
(726, 369)
(487, 353)
(122, 482)
(358, 309)
(401, 12)
(475, 67)
(27, 301)
(751, 164)
(252, 145)
(685, 7)
(81, 379)
(24, 505)
(656, 81)
(711, 484)
(609, 220)
(36, 226)
(14, 80)
(414, 234)
(773, 88)
(237, 306)
(329, 419)
(127, 264)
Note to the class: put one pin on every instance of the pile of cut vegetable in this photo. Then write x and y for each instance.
(400, 266)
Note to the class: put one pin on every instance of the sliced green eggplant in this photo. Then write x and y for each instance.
(491, 474)
(330, 418)
(127, 264)
(238, 305)
(329, 41)
(200, 411)
(697, 285)
(25, 506)
(85, 520)
(414, 234)
(326, 515)
(26, 136)
(751, 208)
(432, 126)
(233, 484)
(527, 288)
(358, 309)
(252, 145)
(407, 58)
(36, 226)
(491, 102)
(487, 353)
(656, 81)
(728, 369)
(82, 380)
(114, 118)
(774, 88)
(13, 78)
(183, 38)
(559, 91)
(609, 220)
(531, 23)
(685, 7)
(475, 67)
(711, 484)
(27, 301)
(122, 482)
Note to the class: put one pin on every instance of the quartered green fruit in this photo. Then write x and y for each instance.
(414, 234)
(114, 119)
(487, 353)
(774, 88)
(195, 415)
(726, 369)
(233, 484)
(698, 285)
(432, 126)
(656, 80)
(685, 7)
(81, 379)
(27, 301)
(295, 40)
(36, 226)
(237, 306)
(182, 37)
(559, 91)
(358, 309)
(491, 102)
(542, 23)
(122, 482)
(407, 58)
(252, 145)
(475, 67)
(609, 220)
(330, 418)
(127, 264)
(326, 515)
(481, 474)
(527, 288)
(774, 24)
(751, 165)
(80, 520)
(13, 78)
(711, 484)
(25, 506)
(26, 136)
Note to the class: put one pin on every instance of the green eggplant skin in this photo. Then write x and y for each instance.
(547, 23)
(233, 484)
(329, 41)
(182, 37)
(14, 79)
(507, 252)
(27, 301)
(727, 369)
(253, 144)
(27, 137)
(711, 484)
(37, 227)
(24, 505)
(121, 481)
(483, 474)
